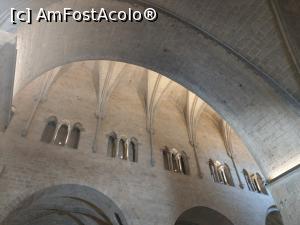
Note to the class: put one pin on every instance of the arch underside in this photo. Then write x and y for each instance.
(263, 114)
(202, 216)
(66, 204)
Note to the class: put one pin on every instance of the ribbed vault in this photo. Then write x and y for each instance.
(222, 51)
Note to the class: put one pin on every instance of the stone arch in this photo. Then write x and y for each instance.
(201, 215)
(68, 204)
(273, 216)
(159, 55)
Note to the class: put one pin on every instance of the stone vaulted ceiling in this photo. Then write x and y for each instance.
(240, 56)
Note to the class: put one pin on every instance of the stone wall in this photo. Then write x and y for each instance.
(145, 194)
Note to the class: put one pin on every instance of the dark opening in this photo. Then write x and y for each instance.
(74, 138)
(111, 146)
(49, 132)
(61, 135)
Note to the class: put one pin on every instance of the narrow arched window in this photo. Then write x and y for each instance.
(122, 149)
(260, 184)
(174, 163)
(183, 163)
(166, 156)
(133, 151)
(49, 131)
(73, 140)
(61, 136)
(254, 183)
(248, 180)
(213, 171)
(221, 175)
(228, 176)
(112, 145)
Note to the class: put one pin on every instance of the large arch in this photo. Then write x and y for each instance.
(183, 53)
(202, 216)
(262, 107)
(67, 204)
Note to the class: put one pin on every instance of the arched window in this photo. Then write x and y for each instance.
(220, 173)
(73, 140)
(61, 136)
(228, 176)
(258, 184)
(122, 149)
(49, 131)
(255, 183)
(248, 180)
(112, 145)
(183, 163)
(166, 156)
(213, 170)
(174, 163)
(133, 150)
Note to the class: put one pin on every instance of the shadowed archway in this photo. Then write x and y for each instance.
(69, 205)
(202, 216)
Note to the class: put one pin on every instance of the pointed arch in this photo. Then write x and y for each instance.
(62, 135)
(112, 145)
(133, 150)
(49, 130)
(74, 138)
